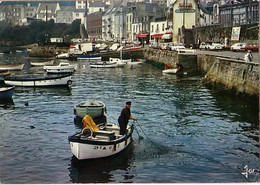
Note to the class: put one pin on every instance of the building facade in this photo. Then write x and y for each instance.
(239, 13)
(184, 17)
(94, 25)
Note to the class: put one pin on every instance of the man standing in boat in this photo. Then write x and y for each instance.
(124, 118)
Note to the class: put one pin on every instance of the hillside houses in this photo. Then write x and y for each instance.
(135, 20)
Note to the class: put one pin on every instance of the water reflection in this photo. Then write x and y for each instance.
(54, 91)
(101, 170)
(7, 103)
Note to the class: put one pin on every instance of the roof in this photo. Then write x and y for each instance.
(34, 3)
(97, 4)
(207, 11)
(51, 7)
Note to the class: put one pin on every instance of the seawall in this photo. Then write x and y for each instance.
(229, 73)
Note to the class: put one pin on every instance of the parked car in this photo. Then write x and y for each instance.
(177, 46)
(215, 46)
(238, 47)
(252, 47)
(136, 42)
(205, 45)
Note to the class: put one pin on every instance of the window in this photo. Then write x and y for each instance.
(163, 27)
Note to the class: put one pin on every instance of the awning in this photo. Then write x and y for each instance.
(142, 35)
(167, 36)
(157, 35)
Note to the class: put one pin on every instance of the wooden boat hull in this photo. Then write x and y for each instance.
(6, 92)
(12, 67)
(84, 148)
(64, 80)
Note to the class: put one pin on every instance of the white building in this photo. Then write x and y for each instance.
(114, 22)
(48, 10)
(158, 30)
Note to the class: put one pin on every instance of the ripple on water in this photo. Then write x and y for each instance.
(194, 133)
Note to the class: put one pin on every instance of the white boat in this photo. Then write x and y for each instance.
(63, 67)
(11, 67)
(120, 62)
(103, 64)
(132, 64)
(63, 56)
(39, 81)
(99, 144)
(170, 71)
(46, 63)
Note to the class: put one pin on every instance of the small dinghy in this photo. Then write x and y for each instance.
(169, 70)
(93, 108)
(103, 64)
(11, 67)
(99, 141)
(37, 64)
(89, 58)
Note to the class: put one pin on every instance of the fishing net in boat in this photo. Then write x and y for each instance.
(89, 123)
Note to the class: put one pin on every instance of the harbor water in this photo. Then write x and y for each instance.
(188, 132)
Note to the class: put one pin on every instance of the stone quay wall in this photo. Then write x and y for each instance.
(237, 75)
(189, 61)
(230, 73)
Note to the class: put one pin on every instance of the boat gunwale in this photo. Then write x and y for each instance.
(35, 78)
(77, 139)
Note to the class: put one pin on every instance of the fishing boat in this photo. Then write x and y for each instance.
(6, 92)
(46, 63)
(103, 64)
(104, 142)
(63, 67)
(11, 67)
(39, 81)
(89, 58)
